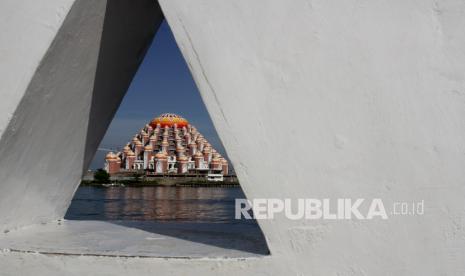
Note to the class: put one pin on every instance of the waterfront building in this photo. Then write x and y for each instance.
(167, 145)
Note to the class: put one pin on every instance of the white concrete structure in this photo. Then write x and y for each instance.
(371, 92)
(65, 68)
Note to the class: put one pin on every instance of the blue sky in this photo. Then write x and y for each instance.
(162, 84)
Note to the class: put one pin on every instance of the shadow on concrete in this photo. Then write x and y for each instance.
(236, 236)
(128, 31)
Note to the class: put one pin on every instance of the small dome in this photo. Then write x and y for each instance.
(169, 120)
(110, 155)
(198, 154)
(182, 158)
(216, 160)
(160, 155)
(135, 139)
(224, 161)
(138, 143)
(153, 138)
(148, 148)
(131, 153)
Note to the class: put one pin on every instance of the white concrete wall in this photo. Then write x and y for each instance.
(349, 99)
(24, 23)
(62, 80)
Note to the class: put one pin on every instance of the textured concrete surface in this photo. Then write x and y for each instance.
(66, 104)
(344, 99)
(138, 239)
(14, 263)
(25, 23)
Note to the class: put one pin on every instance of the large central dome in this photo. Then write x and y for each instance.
(169, 119)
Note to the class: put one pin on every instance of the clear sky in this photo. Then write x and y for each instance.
(162, 84)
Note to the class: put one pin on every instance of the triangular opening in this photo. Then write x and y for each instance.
(170, 179)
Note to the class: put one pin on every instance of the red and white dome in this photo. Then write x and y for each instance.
(169, 119)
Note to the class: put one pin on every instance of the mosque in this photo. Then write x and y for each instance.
(168, 145)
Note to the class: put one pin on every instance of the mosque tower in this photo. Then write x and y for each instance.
(168, 145)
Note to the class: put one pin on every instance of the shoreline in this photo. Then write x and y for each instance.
(169, 180)
(132, 183)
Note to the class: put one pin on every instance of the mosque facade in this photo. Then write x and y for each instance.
(168, 145)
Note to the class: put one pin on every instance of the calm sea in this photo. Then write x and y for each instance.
(180, 204)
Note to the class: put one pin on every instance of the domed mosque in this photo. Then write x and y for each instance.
(168, 145)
